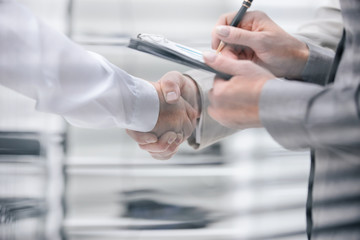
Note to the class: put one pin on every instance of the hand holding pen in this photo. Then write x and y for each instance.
(260, 40)
(240, 14)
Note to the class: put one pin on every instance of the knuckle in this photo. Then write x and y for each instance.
(167, 81)
(259, 14)
(261, 37)
(175, 74)
(229, 17)
(169, 76)
(223, 17)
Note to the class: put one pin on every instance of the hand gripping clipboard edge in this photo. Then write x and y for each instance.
(171, 55)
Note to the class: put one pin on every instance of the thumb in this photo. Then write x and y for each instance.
(171, 85)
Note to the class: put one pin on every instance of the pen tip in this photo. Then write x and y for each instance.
(220, 48)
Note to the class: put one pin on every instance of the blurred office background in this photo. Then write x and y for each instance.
(62, 182)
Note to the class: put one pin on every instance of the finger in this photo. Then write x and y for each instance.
(225, 64)
(238, 36)
(171, 85)
(170, 151)
(162, 156)
(162, 145)
(224, 19)
(179, 139)
(142, 138)
(230, 52)
(215, 42)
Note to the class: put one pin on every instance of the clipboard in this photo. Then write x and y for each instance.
(161, 47)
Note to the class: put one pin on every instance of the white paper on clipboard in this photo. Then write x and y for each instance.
(160, 46)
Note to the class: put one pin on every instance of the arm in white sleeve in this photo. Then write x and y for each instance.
(63, 78)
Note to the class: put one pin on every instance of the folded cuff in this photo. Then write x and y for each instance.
(318, 65)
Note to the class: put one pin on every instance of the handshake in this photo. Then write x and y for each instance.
(257, 51)
(180, 109)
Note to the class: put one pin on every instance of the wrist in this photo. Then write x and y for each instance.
(258, 92)
(157, 87)
(301, 55)
(194, 98)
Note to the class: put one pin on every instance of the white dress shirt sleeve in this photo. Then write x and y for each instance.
(63, 78)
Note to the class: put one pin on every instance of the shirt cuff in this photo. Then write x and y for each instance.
(318, 65)
(208, 131)
(283, 110)
(204, 82)
(147, 106)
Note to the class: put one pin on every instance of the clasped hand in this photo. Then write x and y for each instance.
(179, 110)
(256, 51)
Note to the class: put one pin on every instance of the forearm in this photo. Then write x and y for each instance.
(63, 78)
(302, 115)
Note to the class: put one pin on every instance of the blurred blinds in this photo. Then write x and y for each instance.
(247, 187)
(31, 158)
